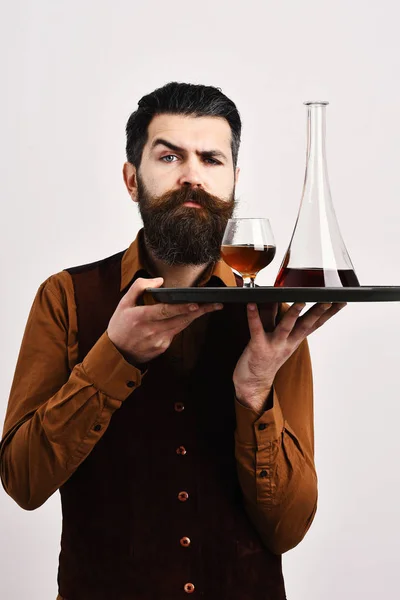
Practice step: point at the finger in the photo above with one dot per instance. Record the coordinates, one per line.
(313, 319)
(335, 308)
(177, 324)
(288, 321)
(256, 327)
(161, 312)
(138, 287)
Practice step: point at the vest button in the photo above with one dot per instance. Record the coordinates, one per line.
(130, 384)
(97, 427)
(189, 588)
(262, 426)
(183, 496)
(181, 450)
(185, 542)
(263, 473)
(179, 406)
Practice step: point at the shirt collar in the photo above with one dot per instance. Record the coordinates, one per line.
(134, 260)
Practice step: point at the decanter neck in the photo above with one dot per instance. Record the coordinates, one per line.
(316, 132)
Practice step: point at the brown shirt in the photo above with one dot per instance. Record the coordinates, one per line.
(56, 403)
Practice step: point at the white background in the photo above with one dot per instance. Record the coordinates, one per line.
(71, 74)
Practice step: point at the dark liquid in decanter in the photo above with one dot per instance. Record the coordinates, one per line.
(288, 277)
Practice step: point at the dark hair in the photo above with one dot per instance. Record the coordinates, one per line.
(180, 99)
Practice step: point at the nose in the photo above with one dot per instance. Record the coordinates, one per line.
(190, 175)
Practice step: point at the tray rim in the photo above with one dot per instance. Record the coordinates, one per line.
(232, 293)
(271, 287)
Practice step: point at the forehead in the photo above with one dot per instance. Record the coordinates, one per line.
(191, 133)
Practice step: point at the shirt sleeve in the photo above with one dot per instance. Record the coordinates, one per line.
(56, 414)
(275, 457)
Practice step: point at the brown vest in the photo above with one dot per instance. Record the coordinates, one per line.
(122, 519)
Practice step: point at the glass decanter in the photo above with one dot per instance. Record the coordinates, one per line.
(317, 255)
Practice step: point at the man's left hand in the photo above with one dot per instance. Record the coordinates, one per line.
(267, 352)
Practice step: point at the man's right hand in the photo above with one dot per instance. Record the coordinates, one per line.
(142, 333)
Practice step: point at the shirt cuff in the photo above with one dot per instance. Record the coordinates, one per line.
(109, 372)
(254, 429)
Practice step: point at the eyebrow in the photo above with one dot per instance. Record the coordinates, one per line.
(202, 153)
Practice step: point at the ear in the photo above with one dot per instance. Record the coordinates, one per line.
(237, 175)
(130, 179)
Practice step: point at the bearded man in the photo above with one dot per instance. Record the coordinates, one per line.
(180, 437)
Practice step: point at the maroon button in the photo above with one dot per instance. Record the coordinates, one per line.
(183, 496)
(185, 542)
(189, 588)
(181, 450)
(179, 406)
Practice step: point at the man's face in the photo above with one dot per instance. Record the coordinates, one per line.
(198, 153)
(185, 187)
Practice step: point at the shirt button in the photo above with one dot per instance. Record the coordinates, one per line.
(183, 496)
(179, 406)
(130, 384)
(263, 473)
(185, 542)
(189, 588)
(97, 427)
(262, 426)
(181, 450)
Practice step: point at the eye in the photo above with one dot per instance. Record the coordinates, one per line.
(212, 161)
(168, 157)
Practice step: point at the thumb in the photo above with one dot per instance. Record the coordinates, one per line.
(255, 325)
(136, 290)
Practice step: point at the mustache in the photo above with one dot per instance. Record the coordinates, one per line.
(174, 199)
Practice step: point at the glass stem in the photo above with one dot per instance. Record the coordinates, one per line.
(249, 282)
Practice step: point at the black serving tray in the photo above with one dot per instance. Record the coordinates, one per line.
(276, 294)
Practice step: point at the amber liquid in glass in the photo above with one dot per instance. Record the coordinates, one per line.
(246, 259)
(315, 278)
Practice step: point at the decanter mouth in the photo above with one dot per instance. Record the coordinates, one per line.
(317, 102)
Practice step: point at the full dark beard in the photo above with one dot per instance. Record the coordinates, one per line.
(183, 235)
